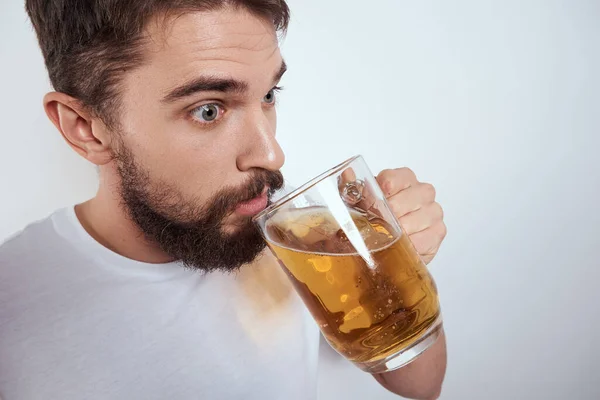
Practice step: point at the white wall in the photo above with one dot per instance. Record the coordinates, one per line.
(496, 102)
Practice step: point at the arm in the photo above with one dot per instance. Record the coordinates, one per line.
(421, 379)
(422, 218)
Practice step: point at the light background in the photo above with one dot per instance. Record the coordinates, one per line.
(495, 102)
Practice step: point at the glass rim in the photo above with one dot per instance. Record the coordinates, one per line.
(307, 186)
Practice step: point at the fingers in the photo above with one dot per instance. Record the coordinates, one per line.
(393, 181)
(412, 199)
(426, 217)
(428, 242)
(413, 203)
(368, 198)
(348, 176)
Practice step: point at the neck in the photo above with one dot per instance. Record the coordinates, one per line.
(107, 222)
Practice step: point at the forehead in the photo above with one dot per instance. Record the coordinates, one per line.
(229, 43)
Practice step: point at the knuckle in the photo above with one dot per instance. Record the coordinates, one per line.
(442, 231)
(385, 180)
(407, 174)
(429, 191)
(385, 174)
(439, 211)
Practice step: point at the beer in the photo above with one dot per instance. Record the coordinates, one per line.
(369, 306)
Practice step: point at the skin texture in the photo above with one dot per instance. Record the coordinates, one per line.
(196, 159)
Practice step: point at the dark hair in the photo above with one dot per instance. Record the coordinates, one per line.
(88, 44)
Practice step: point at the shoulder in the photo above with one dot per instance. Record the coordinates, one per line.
(32, 264)
(30, 256)
(27, 242)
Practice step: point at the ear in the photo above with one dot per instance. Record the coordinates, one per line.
(82, 132)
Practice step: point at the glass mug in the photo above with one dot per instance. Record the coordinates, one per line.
(355, 269)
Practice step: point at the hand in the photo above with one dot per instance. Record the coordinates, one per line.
(413, 203)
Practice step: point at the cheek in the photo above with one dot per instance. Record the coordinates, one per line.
(180, 155)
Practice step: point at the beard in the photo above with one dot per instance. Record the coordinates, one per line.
(190, 233)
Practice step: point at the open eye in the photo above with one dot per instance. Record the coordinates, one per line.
(271, 97)
(207, 113)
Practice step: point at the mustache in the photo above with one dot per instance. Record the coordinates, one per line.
(273, 180)
(229, 198)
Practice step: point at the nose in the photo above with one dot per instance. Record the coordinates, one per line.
(259, 148)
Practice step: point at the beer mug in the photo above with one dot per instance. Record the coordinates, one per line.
(355, 269)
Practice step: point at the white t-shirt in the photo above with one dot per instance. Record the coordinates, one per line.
(78, 321)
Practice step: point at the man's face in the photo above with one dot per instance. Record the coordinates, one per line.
(196, 153)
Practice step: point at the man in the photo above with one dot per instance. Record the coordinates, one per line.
(131, 294)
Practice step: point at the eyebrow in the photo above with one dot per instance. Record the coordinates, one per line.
(280, 73)
(214, 84)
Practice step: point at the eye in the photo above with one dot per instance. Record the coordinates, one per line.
(271, 97)
(207, 113)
